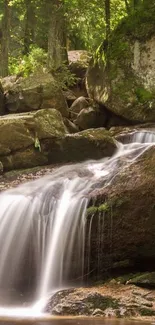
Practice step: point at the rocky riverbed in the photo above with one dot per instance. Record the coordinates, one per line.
(113, 299)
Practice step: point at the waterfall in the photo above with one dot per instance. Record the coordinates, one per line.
(42, 223)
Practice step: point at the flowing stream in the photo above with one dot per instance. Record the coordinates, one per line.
(43, 222)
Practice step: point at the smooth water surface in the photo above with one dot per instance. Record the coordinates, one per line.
(79, 321)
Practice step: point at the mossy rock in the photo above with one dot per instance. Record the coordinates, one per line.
(74, 302)
(122, 77)
(146, 312)
(27, 158)
(125, 231)
(21, 130)
(144, 280)
(38, 91)
(84, 145)
(94, 210)
(21, 137)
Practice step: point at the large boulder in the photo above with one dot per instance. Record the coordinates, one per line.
(84, 145)
(78, 64)
(109, 300)
(21, 136)
(86, 114)
(90, 117)
(69, 96)
(123, 76)
(40, 138)
(35, 92)
(123, 224)
(78, 105)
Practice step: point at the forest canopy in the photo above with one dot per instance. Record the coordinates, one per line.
(36, 33)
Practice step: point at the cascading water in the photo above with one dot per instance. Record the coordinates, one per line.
(43, 222)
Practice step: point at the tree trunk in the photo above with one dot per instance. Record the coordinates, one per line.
(5, 35)
(127, 6)
(135, 3)
(107, 18)
(29, 26)
(57, 51)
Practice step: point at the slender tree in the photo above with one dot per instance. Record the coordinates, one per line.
(107, 18)
(57, 52)
(29, 25)
(127, 6)
(5, 36)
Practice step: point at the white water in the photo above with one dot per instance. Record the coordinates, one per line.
(42, 224)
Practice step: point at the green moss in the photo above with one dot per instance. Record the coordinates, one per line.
(123, 89)
(144, 95)
(103, 207)
(97, 134)
(37, 144)
(127, 277)
(147, 312)
(91, 210)
(102, 302)
(118, 202)
(94, 209)
(147, 279)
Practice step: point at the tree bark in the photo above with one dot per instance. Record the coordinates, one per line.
(29, 26)
(57, 51)
(127, 6)
(134, 4)
(5, 36)
(107, 18)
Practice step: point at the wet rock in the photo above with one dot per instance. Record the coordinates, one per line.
(76, 302)
(94, 301)
(98, 312)
(35, 92)
(127, 208)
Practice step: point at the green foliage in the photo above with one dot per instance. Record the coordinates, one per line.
(103, 207)
(94, 209)
(86, 21)
(91, 210)
(119, 49)
(64, 76)
(37, 144)
(28, 64)
(140, 23)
